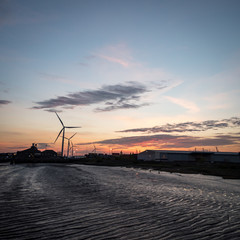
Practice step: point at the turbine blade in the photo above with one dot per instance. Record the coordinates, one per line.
(73, 127)
(65, 137)
(72, 136)
(59, 119)
(58, 135)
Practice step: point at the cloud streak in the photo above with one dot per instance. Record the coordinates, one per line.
(4, 102)
(53, 110)
(117, 54)
(189, 126)
(44, 145)
(113, 97)
(56, 78)
(170, 141)
(122, 62)
(191, 106)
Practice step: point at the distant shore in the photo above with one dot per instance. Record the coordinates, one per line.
(224, 170)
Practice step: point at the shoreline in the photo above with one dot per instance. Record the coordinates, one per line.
(224, 170)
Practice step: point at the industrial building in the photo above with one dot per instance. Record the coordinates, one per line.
(189, 156)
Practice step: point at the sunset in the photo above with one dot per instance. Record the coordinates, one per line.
(111, 66)
(120, 119)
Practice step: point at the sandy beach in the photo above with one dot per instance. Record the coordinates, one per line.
(66, 201)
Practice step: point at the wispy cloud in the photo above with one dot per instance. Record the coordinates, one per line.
(222, 100)
(119, 105)
(17, 148)
(11, 133)
(15, 13)
(44, 145)
(140, 87)
(191, 106)
(4, 102)
(56, 78)
(53, 110)
(122, 62)
(189, 126)
(118, 54)
(3, 89)
(119, 96)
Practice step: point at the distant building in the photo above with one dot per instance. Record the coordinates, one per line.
(29, 153)
(115, 154)
(6, 157)
(226, 157)
(164, 155)
(199, 156)
(49, 154)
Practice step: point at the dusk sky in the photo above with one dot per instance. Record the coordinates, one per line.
(134, 74)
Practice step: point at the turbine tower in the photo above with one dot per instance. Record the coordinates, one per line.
(71, 148)
(62, 131)
(69, 141)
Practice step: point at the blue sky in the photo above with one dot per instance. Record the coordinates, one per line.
(111, 66)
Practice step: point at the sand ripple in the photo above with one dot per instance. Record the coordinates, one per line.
(88, 202)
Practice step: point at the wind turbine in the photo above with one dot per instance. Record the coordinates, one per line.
(62, 131)
(69, 140)
(71, 148)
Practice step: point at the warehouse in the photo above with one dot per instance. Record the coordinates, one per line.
(226, 157)
(165, 155)
(200, 156)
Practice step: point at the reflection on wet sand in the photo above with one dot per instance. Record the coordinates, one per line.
(59, 201)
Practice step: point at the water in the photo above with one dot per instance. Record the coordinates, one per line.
(58, 201)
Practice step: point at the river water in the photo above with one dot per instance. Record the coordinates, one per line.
(60, 201)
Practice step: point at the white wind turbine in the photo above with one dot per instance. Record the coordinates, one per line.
(63, 135)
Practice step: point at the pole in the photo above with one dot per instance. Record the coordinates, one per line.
(68, 147)
(63, 141)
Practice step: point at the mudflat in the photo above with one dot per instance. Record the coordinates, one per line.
(73, 201)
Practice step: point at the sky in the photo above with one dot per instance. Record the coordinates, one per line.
(134, 74)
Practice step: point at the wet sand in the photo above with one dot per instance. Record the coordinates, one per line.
(64, 201)
(225, 170)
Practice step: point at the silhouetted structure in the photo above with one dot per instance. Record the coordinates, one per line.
(63, 134)
(69, 143)
(188, 156)
(29, 153)
(6, 157)
(49, 154)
